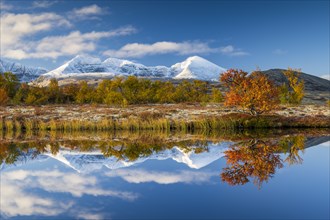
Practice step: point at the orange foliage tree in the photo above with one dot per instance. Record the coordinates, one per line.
(254, 93)
(3, 97)
(253, 159)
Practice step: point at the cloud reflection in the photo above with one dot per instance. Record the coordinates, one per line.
(19, 194)
(144, 176)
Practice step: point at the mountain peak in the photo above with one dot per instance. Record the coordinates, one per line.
(196, 58)
(118, 62)
(196, 67)
(85, 59)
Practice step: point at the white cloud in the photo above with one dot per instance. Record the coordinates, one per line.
(232, 51)
(143, 176)
(137, 50)
(43, 4)
(15, 27)
(87, 12)
(17, 32)
(280, 52)
(326, 76)
(18, 198)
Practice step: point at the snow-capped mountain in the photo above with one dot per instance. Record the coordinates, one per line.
(86, 66)
(85, 162)
(24, 73)
(197, 68)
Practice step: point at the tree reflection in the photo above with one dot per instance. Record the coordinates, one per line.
(292, 146)
(253, 159)
(258, 160)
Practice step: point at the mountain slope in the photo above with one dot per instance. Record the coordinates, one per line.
(312, 83)
(197, 68)
(317, 89)
(24, 73)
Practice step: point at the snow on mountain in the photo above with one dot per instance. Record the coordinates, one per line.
(126, 67)
(24, 73)
(197, 68)
(79, 64)
(87, 66)
(85, 162)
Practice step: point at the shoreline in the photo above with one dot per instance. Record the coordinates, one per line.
(179, 117)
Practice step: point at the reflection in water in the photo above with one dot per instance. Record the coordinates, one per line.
(259, 159)
(100, 166)
(247, 157)
(17, 198)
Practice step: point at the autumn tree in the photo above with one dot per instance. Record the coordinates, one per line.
(254, 93)
(21, 94)
(10, 83)
(70, 92)
(165, 92)
(293, 91)
(3, 97)
(254, 159)
(216, 96)
(37, 96)
(54, 92)
(85, 93)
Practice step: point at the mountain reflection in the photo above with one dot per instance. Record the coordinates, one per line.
(250, 157)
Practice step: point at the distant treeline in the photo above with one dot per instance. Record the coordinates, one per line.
(117, 91)
(254, 93)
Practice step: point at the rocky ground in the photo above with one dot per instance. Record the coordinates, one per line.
(170, 111)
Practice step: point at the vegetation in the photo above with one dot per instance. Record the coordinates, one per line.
(258, 159)
(254, 93)
(157, 122)
(293, 91)
(115, 92)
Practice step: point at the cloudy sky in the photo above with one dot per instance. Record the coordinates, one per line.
(232, 34)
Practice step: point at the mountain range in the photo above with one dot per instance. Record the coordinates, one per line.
(24, 73)
(83, 66)
(85, 162)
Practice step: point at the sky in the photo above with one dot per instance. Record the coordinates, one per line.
(232, 34)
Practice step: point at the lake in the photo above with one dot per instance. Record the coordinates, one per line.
(149, 175)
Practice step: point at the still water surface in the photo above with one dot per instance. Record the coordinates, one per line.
(161, 177)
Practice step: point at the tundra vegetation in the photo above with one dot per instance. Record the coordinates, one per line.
(254, 94)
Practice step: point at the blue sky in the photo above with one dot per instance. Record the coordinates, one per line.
(232, 34)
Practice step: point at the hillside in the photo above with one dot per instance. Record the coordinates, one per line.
(317, 89)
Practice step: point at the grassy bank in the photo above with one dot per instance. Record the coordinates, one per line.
(160, 123)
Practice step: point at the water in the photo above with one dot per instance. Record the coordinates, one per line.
(161, 176)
